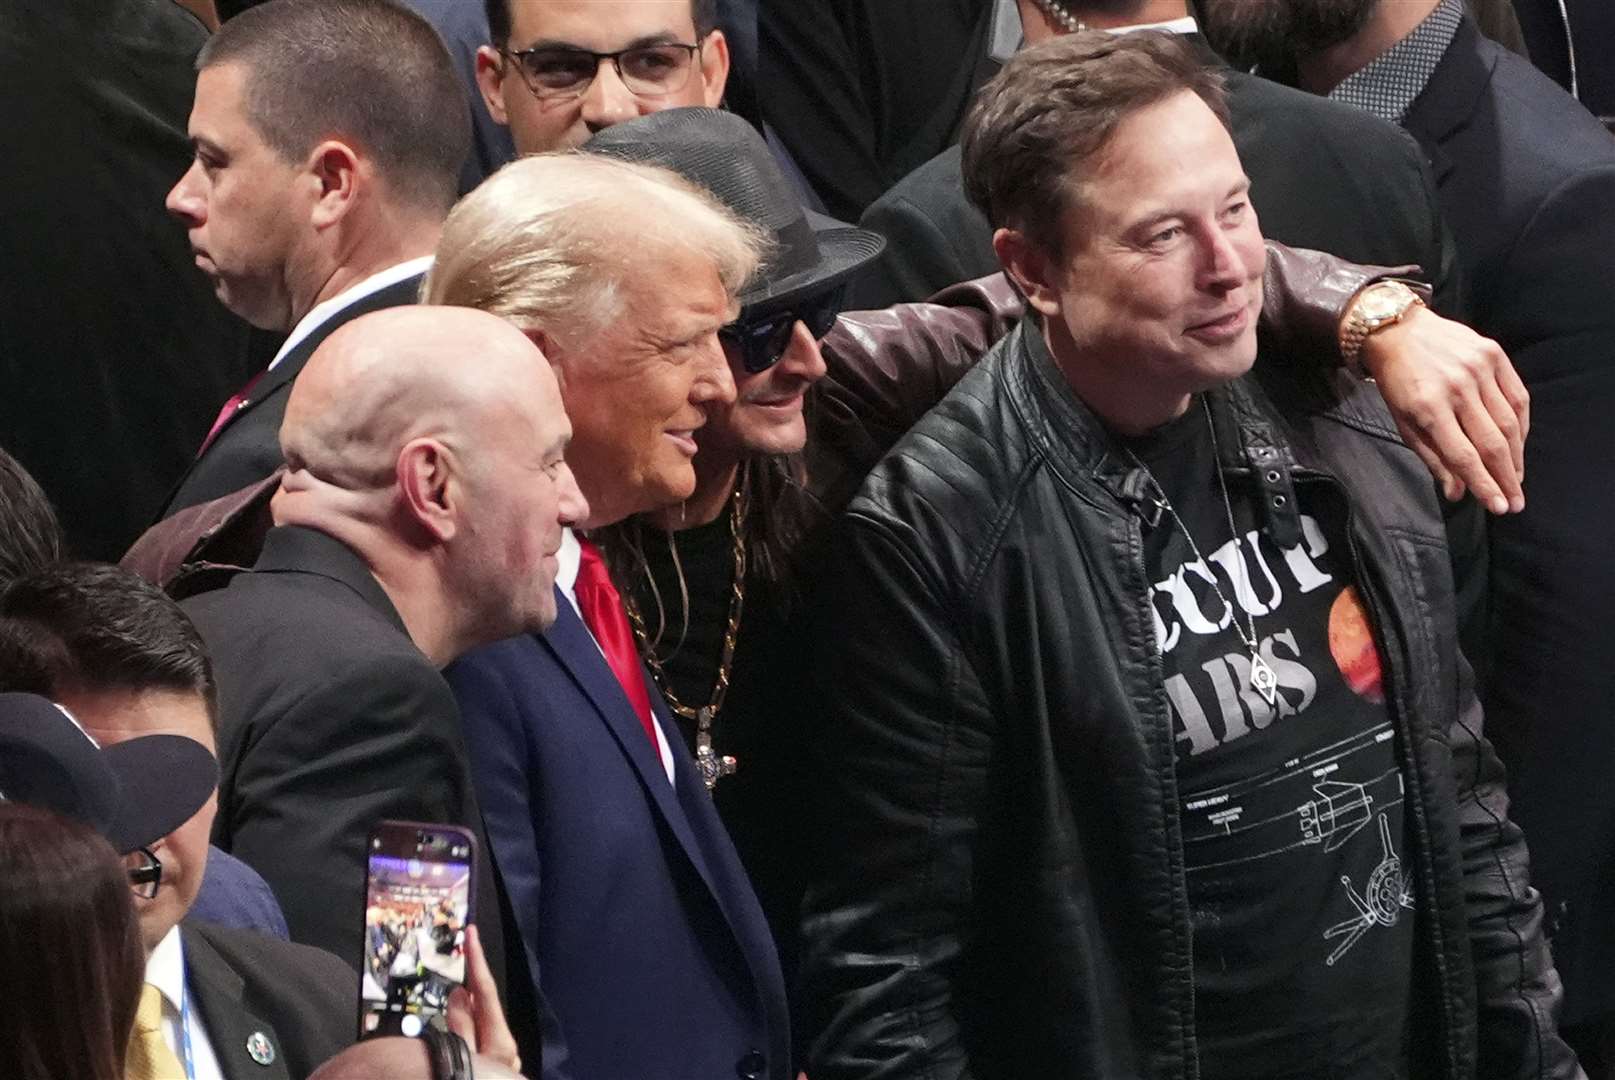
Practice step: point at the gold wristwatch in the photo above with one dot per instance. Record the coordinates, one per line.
(1376, 306)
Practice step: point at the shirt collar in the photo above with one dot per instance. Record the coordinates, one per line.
(357, 291)
(567, 559)
(165, 969)
(1389, 84)
(1185, 25)
(1006, 38)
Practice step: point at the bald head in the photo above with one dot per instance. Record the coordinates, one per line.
(397, 1059)
(430, 441)
(406, 373)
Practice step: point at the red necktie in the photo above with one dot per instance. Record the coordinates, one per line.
(601, 607)
(236, 401)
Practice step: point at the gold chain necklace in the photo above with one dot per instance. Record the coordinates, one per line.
(713, 766)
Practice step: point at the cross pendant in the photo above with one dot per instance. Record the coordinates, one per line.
(1263, 680)
(713, 766)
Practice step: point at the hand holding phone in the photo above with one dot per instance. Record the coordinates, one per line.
(417, 916)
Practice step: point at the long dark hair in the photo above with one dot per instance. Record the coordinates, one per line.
(71, 962)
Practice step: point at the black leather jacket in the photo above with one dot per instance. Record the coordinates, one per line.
(999, 887)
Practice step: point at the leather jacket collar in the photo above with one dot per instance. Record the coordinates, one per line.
(1080, 449)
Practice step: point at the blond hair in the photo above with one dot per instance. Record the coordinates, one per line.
(547, 241)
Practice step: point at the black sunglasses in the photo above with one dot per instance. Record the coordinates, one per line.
(762, 339)
(145, 872)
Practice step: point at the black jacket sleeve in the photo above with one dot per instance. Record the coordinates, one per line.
(900, 765)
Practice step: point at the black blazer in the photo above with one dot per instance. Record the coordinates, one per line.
(330, 720)
(1526, 179)
(248, 447)
(114, 354)
(247, 988)
(1323, 175)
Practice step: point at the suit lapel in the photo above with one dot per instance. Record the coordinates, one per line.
(216, 993)
(1448, 99)
(395, 295)
(575, 650)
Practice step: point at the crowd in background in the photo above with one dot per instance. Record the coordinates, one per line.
(921, 538)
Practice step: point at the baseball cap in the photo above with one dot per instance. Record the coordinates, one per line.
(133, 793)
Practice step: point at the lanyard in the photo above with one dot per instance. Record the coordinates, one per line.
(185, 1029)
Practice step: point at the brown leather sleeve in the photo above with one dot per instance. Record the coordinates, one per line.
(885, 369)
(225, 531)
(1305, 294)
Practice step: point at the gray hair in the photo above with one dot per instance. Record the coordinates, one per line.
(547, 241)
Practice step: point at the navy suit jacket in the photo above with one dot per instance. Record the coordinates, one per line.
(1526, 180)
(640, 926)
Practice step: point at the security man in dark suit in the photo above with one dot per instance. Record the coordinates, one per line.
(328, 141)
(107, 330)
(1526, 180)
(123, 659)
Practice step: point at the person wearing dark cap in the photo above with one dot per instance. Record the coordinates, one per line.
(129, 751)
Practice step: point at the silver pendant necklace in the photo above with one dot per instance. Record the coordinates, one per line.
(1262, 678)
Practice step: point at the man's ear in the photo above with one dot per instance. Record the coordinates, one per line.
(715, 67)
(428, 489)
(491, 80)
(334, 170)
(1031, 268)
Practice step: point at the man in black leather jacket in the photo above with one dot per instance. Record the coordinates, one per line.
(1145, 747)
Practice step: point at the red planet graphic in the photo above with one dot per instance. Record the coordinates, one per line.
(1351, 643)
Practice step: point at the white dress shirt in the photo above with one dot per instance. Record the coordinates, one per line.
(568, 559)
(165, 969)
(319, 313)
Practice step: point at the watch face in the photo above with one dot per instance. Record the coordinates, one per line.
(1385, 303)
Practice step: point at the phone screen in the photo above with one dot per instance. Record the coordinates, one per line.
(417, 906)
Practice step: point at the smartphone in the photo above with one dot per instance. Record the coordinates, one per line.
(417, 906)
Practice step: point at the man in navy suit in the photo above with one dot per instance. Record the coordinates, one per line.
(328, 139)
(1526, 181)
(638, 921)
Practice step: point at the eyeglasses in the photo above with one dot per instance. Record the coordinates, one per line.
(553, 72)
(763, 339)
(145, 872)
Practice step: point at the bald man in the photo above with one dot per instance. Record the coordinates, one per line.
(419, 516)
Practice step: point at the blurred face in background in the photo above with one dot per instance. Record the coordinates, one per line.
(553, 96)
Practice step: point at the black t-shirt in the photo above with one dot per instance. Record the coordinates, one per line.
(690, 642)
(1292, 813)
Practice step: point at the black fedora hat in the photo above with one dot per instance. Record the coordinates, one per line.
(133, 793)
(725, 155)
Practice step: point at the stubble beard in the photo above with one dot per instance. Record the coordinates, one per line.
(1273, 34)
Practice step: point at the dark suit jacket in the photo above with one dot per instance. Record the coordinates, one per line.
(635, 914)
(329, 721)
(247, 449)
(863, 91)
(1527, 183)
(235, 895)
(114, 354)
(241, 984)
(1359, 190)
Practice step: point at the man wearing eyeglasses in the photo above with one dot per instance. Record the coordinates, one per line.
(560, 70)
(125, 662)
